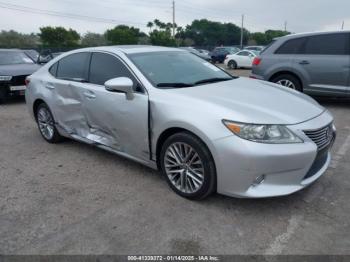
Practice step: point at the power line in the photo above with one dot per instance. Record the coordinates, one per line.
(66, 15)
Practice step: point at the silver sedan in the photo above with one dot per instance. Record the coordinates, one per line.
(170, 110)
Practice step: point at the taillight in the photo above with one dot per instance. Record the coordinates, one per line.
(27, 81)
(257, 61)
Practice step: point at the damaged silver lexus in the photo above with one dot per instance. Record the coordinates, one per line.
(168, 109)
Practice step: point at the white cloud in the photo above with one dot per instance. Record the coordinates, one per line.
(259, 15)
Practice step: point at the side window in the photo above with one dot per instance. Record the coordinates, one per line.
(105, 67)
(74, 67)
(293, 46)
(243, 53)
(328, 44)
(53, 69)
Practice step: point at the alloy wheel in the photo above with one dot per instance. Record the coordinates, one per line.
(46, 124)
(184, 167)
(286, 83)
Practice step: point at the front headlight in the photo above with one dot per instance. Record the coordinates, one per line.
(5, 78)
(269, 134)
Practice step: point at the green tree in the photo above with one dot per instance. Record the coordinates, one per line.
(266, 37)
(208, 33)
(272, 34)
(93, 39)
(162, 38)
(13, 39)
(162, 33)
(58, 37)
(123, 35)
(150, 26)
(258, 39)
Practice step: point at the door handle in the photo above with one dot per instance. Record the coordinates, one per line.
(89, 95)
(304, 62)
(49, 86)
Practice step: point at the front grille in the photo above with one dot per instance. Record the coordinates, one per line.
(322, 137)
(18, 80)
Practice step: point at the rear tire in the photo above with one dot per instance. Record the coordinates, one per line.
(46, 124)
(232, 65)
(3, 94)
(289, 81)
(188, 166)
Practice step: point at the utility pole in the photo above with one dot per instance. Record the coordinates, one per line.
(174, 18)
(342, 26)
(285, 26)
(242, 28)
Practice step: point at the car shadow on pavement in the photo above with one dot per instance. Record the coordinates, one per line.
(333, 101)
(13, 101)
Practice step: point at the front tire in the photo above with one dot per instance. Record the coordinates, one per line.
(289, 81)
(232, 65)
(46, 124)
(188, 166)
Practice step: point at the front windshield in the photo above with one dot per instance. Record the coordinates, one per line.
(177, 69)
(14, 58)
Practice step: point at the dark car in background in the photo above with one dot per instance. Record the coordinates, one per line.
(314, 63)
(15, 66)
(219, 53)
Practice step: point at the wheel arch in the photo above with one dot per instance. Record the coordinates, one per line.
(36, 104)
(287, 72)
(174, 130)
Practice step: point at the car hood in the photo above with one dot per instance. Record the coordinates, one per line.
(18, 70)
(253, 101)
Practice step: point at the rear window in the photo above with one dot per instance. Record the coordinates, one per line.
(268, 46)
(14, 58)
(330, 44)
(53, 69)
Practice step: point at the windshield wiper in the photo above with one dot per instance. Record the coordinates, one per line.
(174, 85)
(212, 80)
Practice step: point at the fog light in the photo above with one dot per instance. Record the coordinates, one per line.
(259, 180)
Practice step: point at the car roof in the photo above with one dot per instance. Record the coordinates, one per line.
(131, 49)
(311, 34)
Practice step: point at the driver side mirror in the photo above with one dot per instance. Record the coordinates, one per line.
(122, 85)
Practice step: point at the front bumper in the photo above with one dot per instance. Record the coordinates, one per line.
(280, 169)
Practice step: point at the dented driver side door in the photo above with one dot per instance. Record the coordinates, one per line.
(71, 73)
(113, 120)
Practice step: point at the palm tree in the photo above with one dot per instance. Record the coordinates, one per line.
(157, 23)
(150, 25)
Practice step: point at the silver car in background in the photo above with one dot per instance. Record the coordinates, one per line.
(314, 63)
(170, 110)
